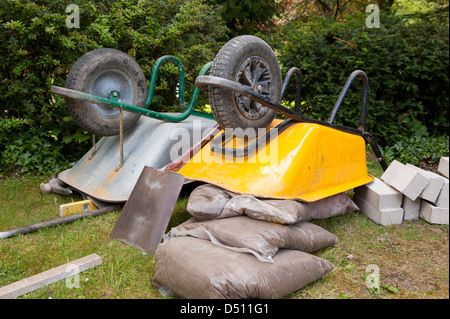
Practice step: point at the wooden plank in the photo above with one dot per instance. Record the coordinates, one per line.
(48, 277)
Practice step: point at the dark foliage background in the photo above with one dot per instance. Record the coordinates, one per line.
(406, 60)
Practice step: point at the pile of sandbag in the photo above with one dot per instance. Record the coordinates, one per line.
(239, 246)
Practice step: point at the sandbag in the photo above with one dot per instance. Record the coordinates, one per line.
(206, 201)
(279, 211)
(196, 268)
(209, 202)
(331, 206)
(261, 238)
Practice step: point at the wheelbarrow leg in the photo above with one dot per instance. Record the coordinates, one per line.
(120, 141)
(94, 150)
(94, 147)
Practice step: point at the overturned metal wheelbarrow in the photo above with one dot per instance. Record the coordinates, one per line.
(314, 159)
(106, 94)
(299, 158)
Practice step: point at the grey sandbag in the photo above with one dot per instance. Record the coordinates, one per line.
(279, 211)
(288, 211)
(262, 237)
(335, 205)
(196, 268)
(206, 202)
(209, 202)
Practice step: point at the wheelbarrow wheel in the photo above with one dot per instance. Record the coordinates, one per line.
(251, 62)
(98, 72)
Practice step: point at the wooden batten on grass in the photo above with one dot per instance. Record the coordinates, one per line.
(48, 277)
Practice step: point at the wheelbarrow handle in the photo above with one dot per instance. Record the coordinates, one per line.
(183, 159)
(72, 94)
(298, 86)
(181, 89)
(203, 82)
(145, 111)
(365, 94)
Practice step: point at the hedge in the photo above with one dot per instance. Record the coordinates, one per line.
(38, 49)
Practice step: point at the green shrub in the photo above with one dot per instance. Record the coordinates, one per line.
(38, 50)
(407, 66)
(249, 16)
(417, 149)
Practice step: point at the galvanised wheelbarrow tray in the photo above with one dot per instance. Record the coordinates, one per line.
(106, 94)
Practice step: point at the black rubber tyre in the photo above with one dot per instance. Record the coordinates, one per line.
(98, 72)
(250, 61)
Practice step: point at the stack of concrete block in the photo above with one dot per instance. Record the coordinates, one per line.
(437, 212)
(406, 192)
(380, 202)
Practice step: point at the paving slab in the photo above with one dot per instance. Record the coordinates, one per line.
(443, 200)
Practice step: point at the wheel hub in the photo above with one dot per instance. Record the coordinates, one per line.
(254, 73)
(107, 81)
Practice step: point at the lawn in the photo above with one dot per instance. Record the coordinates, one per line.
(412, 259)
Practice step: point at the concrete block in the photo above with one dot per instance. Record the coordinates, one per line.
(411, 208)
(406, 180)
(435, 183)
(434, 214)
(443, 166)
(442, 200)
(381, 217)
(380, 195)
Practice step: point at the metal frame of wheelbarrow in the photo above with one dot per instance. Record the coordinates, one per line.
(205, 81)
(115, 102)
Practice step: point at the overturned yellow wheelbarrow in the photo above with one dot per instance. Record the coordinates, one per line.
(299, 158)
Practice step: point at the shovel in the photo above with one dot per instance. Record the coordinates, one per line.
(147, 212)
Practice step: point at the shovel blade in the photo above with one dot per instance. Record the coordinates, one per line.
(147, 212)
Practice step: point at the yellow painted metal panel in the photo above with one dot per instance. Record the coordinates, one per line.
(307, 162)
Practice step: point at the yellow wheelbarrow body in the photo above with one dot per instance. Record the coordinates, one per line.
(305, 162)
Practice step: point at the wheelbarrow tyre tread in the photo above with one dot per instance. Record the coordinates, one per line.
(80, 78)
(226, 65)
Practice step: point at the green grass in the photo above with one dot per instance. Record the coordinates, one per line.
(125, 272)
(413, 258)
